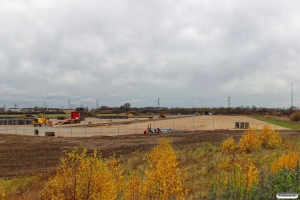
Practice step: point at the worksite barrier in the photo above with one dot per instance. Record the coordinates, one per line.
(114, 127)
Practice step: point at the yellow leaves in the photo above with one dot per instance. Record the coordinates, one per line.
(2, 194)
(253, 139)
(270, 138)
(133, 189)
(228, 145)
(81, 176)
(289, 161)
(249, 141)
(243, 174)
(164, 180)
(84, 177)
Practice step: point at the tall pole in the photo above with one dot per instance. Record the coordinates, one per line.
(291, 98)
(228, 104)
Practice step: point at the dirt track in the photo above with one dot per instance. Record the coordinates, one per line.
(28, 155)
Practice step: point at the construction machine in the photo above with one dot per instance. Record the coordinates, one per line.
(41, 121)
(162, 115)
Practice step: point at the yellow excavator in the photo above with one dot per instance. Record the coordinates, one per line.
(41, 121)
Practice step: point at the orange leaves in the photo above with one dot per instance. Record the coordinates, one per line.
(270, 138)
(249, 141)
(289, 161)
(2, 194)
(228, 145)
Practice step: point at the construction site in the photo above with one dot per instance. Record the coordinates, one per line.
(38, 145)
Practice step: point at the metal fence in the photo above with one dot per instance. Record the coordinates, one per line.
(114, 127)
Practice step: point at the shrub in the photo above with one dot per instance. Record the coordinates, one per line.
(270, 138)
(164, 180)
(289, 161)
(228, 145)
(133, 189)
(249, 140)
(295, 117)
(238, 183)
(84, 177)
(2, 194)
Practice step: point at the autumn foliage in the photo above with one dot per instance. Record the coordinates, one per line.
(84, 177)
(2, 194)
(81, 176)
(164, 180)
(228, 145)
(288, 161)
(249, 141)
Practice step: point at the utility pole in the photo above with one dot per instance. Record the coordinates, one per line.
(68, 103)
(292, 99)
(97, 104)
(228, 104)
(158, 102)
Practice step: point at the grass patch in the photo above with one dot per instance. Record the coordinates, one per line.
(279, 123)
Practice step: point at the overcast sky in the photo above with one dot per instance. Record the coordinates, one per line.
(188, 53)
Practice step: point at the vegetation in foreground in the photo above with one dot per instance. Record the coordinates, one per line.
(257, 166)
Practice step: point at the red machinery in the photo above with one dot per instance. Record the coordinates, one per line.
(74, 119)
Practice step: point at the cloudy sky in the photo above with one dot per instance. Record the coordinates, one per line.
(188, 53)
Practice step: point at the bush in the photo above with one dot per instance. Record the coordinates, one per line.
(270, 138)
(288, 161)
(2, 194)
(249, 141)
(238, 183)
(228, 145)
(295, 117)
(84, 177)
(164, 180)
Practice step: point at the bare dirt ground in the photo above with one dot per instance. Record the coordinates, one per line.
(24, 155)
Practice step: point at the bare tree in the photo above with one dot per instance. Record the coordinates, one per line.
(126, 106)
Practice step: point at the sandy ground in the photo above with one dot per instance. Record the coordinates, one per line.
(95, 126)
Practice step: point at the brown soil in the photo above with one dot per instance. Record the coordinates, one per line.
(28, 155)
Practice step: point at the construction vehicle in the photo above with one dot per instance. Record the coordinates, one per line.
(162, 115)
(41, 121)
(74, 119)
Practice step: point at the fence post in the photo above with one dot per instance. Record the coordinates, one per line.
(58, 129)
(101, 125)
(193, 123)
(85, 128)
(6, 126)
(25, 126)
(118, 126)
(71, 129)
(16, 126)
(213, 121)
(173, 122)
